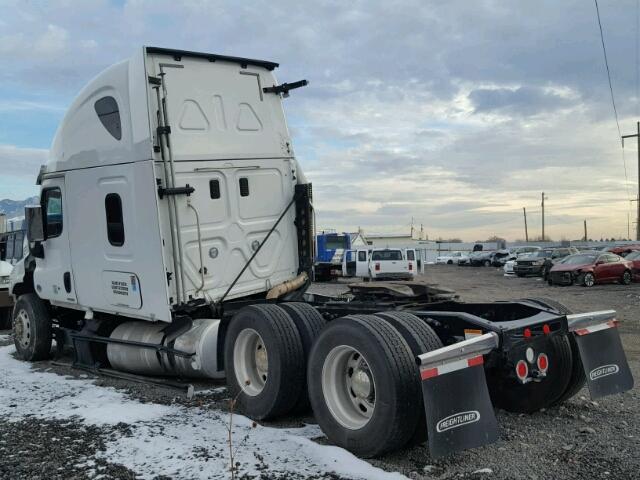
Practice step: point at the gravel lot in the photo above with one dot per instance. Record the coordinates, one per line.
(579, 440)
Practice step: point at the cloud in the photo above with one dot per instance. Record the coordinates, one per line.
(453, 113)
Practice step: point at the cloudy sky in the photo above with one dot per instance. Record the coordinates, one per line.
(454, 113)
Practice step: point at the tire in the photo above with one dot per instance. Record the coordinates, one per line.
(450, 262)
(421, 339)
(627, 278)
(487, 263)
(509, 394)
(309, 323)
(274, 386)
(549, 281)
(545, 273)
(577, 379)
(31, 328)
(370, 347)
(5, 318)
(588, 280)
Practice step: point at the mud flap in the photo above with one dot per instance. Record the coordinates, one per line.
(458, 408)
(605, 363)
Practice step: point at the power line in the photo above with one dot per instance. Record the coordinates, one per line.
(613, 101)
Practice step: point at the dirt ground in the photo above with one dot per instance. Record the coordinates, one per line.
(578, 440)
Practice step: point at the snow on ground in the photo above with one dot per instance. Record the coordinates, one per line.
(172, 440)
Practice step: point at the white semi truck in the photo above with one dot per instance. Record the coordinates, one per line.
(174, 236)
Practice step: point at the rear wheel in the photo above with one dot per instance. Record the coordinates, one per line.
(362, 385)
(450, 262)
(31, 328)
(309, 324)
(627, 277)
(577, 378)
(421, 339)
(487, 263)
(511, 395)
(264, 361)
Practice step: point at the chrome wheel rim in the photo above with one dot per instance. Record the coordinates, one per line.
(251, 362)
(22, 329)
(589, 280)
(348, 387)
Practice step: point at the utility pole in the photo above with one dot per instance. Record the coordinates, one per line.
(585, 229)
(526, 232)
(544, 197)
(636, 135)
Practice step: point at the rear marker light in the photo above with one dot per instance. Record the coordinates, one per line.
(546, 329)
(522, 370)
(410, 266)
(543, 363)
(377, 267)
(527, 333)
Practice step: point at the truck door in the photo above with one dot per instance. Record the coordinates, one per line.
(53, 277)
(411, 261)
(346, 259)
(362, 264)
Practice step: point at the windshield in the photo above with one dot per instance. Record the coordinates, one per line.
(335, 242)
(383, 255)
(580, 259)
(633, 256)
(542, 254)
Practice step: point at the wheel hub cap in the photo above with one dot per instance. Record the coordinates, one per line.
(251, 362)
(348, 387)
(22, 327)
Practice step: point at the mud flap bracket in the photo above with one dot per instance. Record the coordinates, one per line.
(605, 363)
(457, 405)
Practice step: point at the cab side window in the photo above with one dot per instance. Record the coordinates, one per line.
(362, 256)
(115, 223)
(52, 206)
(109, 115)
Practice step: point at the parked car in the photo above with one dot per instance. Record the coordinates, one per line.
(623, 250)
(540, 262)
(479, 259)
(450, 258)
(634, 257)
(508, 267)
(590, 268)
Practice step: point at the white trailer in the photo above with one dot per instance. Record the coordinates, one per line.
(174, 237)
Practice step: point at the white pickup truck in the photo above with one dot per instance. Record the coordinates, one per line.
(380, 264)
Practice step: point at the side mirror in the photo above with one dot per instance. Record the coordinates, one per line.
(35, 226)
(35, 230)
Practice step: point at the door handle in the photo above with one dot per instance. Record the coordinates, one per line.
(67, 281)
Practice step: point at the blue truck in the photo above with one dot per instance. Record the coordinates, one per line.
(330, 249)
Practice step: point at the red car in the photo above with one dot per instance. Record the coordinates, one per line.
(634, 257)
(624, 250)
(590, 268)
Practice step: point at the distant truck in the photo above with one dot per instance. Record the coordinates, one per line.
(330, 251)
(12, 250)
(380, 264)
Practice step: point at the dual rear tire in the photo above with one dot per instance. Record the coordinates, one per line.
(363, 383)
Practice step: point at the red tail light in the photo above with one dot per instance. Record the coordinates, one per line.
(527, 333)
(546, 329)
(377, 267)
(410, 266)
(522, 370)
(543, 362)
